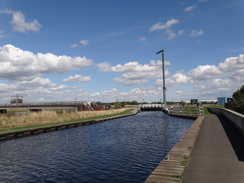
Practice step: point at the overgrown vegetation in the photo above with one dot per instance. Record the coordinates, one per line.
(206, 111)
(178, 178)
(238, 100)
(189, 148)
(117, 105)
(185, 160)
(9, 122)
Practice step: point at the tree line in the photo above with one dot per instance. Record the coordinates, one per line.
(237, 103)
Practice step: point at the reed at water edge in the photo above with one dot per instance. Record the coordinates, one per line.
(50, 117)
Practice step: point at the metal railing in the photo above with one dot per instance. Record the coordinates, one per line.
(187, 110)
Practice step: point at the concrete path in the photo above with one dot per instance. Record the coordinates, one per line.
(218, 154)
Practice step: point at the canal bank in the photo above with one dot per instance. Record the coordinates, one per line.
(49, 128)
(172, 166)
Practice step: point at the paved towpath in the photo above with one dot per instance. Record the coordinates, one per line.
(218, 154)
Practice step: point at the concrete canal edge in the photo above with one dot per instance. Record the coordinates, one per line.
(171, 168)
(39, 130)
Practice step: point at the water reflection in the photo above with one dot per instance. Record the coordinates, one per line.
(121, 150)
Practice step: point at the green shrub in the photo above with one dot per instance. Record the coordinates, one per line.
(238, 100)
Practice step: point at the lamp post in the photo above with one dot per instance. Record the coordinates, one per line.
(163, 68)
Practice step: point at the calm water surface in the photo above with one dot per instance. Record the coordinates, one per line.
(121, 150)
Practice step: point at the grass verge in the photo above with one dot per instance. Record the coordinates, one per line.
(50, 120)
(206, 111)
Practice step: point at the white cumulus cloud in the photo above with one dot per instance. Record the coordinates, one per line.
(132, 66)
(232, 64)
(20, 24)
(73, 46)
(238, 75)
(177, 79)
(161, 26)
(134, 94)
(170, 34)
(37, 82)
(221, 80)
(219, 87)
(134, 72)
(209, 81)
(232, 67)
(203, 72)
(195, 33)
(179, 92)
(104, 67)
(190, 8)
(84, 42)
(17, 64)
(129, 81)
(77, 78)
(181, 32)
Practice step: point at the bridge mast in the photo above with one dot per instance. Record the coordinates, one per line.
(163, 68)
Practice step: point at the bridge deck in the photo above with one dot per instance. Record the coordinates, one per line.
(218, 154)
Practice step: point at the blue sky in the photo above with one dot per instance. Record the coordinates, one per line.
(53, 50)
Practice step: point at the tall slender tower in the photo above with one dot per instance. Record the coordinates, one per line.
(163, 69)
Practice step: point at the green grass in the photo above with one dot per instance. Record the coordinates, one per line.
(178, 178)
(187, 110)
(206, 111)
(193, 109)
(185, 160)
(5, 130)
(189, 148)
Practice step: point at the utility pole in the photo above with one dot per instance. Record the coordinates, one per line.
(163, 68)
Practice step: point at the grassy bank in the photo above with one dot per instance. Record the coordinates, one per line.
(209, 105)
(35, 120)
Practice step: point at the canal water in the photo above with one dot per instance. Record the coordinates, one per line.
(121, 150)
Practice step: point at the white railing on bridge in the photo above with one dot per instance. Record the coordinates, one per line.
(150, 106)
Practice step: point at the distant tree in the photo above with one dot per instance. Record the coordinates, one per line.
(238, 100)
(182, 103)
(99, 103)
(123, 104)
(117, 105)
(134, 102)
